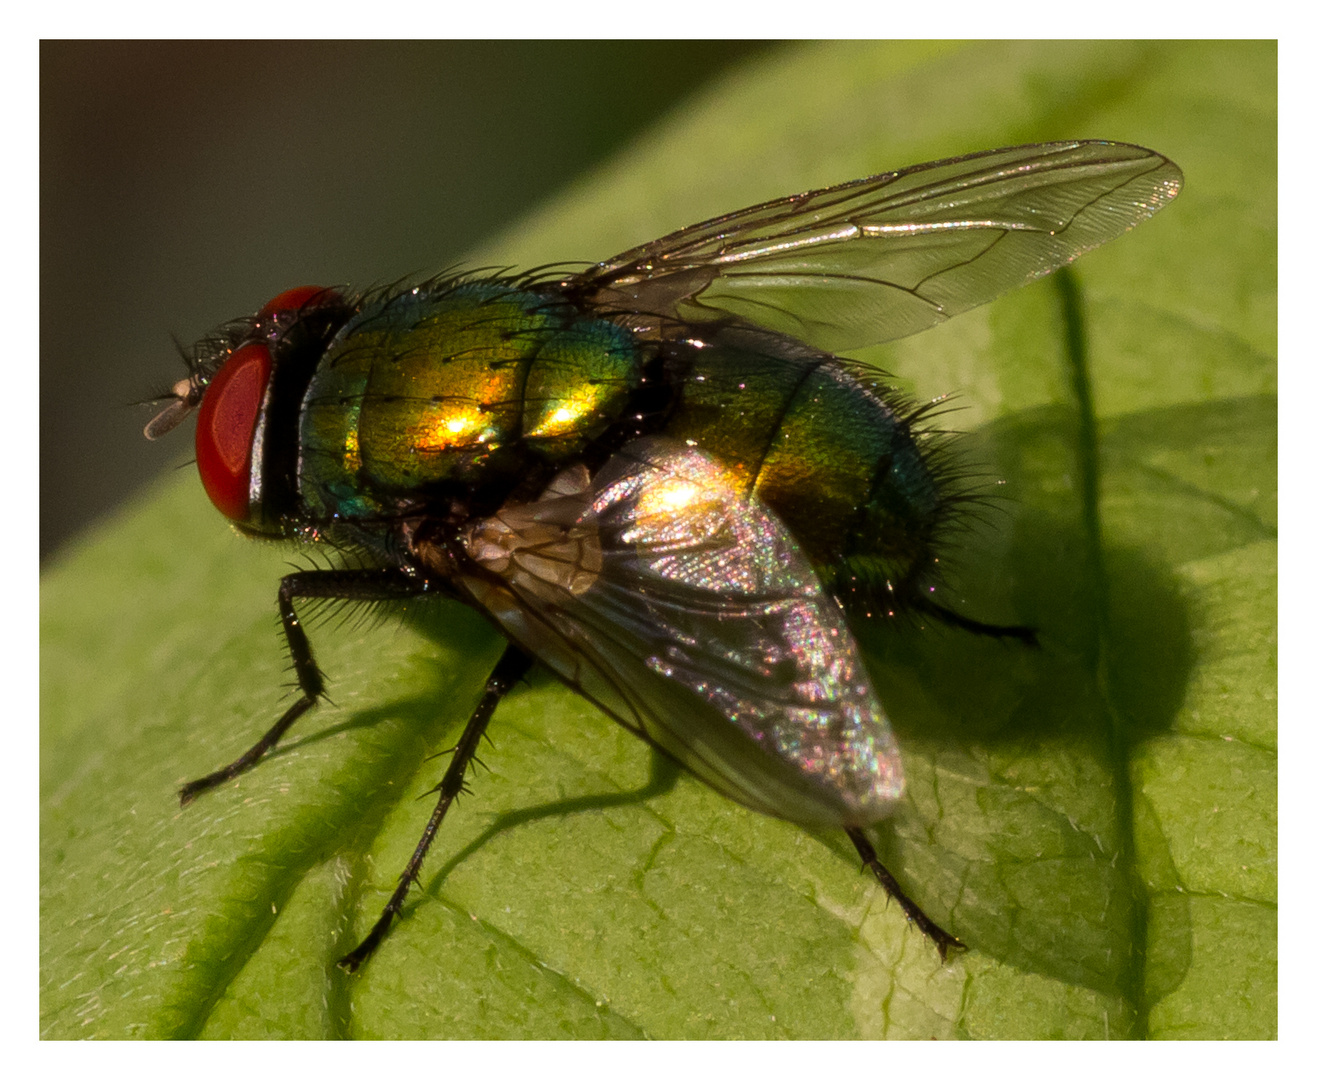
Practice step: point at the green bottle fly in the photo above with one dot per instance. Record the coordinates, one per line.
(655, 476)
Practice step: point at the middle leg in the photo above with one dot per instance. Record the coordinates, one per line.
(511, 667)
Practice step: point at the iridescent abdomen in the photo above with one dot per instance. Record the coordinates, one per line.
(821, 447)
(469, 386)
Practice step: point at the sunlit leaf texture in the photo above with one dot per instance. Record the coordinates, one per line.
(1096, 818)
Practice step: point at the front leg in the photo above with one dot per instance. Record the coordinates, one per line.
(390, 584)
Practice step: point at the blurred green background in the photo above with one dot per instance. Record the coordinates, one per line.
(184, 183)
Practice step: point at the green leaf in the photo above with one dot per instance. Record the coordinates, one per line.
(1095, 818)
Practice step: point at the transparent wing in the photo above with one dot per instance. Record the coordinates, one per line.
(880, 258)
(690, 616)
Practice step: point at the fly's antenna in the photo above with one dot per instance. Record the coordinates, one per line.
(184, 396)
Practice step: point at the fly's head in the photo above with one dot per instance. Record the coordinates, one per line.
(245, 383)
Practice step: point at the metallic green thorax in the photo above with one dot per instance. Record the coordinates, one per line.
(426, 389)
(481, 383)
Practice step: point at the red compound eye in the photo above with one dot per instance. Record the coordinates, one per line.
(293, 300)
(226, 423)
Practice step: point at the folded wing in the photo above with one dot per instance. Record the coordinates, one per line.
(689, 614)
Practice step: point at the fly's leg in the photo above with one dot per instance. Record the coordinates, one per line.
(1026, 634)
(944, 942)
(512, 665)
(308, 585)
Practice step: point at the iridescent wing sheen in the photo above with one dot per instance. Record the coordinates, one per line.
(689, 614)
(880, 258)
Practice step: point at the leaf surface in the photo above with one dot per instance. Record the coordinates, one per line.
(1096, 818)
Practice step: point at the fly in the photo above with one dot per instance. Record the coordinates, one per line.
(654, 476)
